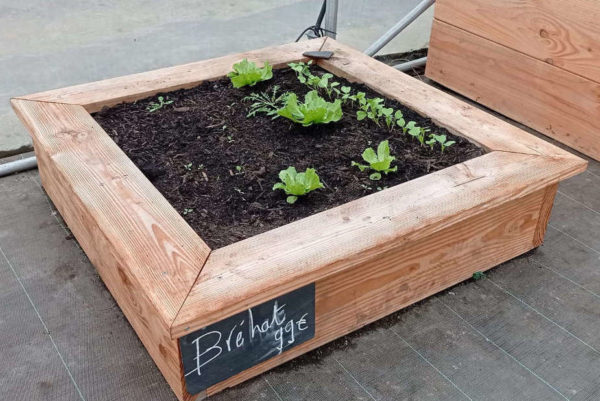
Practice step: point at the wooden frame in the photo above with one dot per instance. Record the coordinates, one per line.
(368, 258)
(534, 61)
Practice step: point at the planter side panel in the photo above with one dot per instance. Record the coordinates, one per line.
(413, 271)
(143, 250)
(558, 32)
(140, 313)
(558, 103)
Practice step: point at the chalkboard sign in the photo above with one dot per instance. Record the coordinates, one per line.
(221, 350)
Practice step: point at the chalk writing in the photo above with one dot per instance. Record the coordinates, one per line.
(225, 348)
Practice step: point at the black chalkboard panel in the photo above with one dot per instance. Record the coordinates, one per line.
(221, 350)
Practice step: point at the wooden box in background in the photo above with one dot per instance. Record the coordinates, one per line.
(535, 61)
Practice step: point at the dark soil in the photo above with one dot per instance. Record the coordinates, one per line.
(207, 127)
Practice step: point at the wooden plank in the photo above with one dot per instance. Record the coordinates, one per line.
(557, 103)
(444, 109)
(413, 271)
(95, 95)
(545, 212)
(146, 254)
(262, 267)
(161, 249)
(123, 285)
(562, 33)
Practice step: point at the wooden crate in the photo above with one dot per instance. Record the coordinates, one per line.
(535, 61)
(367, 258)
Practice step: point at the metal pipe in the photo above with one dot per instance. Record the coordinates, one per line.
(409, 65)
(17, 166)
(399, 27)
(331, 14)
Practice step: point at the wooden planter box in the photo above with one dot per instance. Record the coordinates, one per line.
(537, 62)
(366, 259)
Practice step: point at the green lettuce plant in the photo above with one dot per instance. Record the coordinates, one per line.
(296, 184)
(247, 73)
(380, 162)
(314, 110)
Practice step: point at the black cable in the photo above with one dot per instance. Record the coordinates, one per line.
(316, 28)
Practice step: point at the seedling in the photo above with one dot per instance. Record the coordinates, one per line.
(152, 107)
(302, 70)
(187, 211)
(344, 93)
(380, 161)
(267, 103)
(296, 184)
(247, 73)
(430, 142)
(442, 140)
(239, 169)
(371, 109)
(188, 166)
(314, 110)
(419, 133)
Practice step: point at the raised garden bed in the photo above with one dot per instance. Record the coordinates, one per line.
(373, 253)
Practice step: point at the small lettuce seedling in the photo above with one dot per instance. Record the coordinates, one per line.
(380, 161)
(265, 102)
(296, 184)
(152, 107)
(442, 140)
(314, 110)
(247, 73)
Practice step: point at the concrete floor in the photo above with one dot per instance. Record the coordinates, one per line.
(529, 331)
(46, 45)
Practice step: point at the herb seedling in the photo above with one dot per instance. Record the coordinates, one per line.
(314, 110)
(344, 93)
(187, 211)
(247, 73)
(380, 161)
(267, 103)
(152, 107)
(417, 132)
(442, 140)
(302, 70)
(296, 184)
(239, 169)
(188, 166)
(371, 109)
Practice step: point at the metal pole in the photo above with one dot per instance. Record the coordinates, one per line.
(399, 27)
(331, 14)
(409, 65)
(18, 165)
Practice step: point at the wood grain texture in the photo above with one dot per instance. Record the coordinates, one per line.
(562, 33)
(410, 271)
(545, 211)
(249, 272)
(146, 254)
(444, 109)
(557, 103)
(95, 95)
